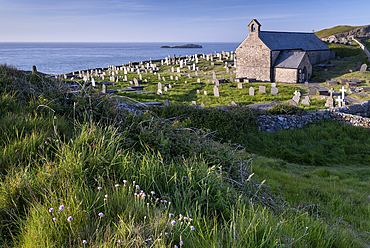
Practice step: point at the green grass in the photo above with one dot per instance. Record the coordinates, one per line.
(59, 149)
(334, 30)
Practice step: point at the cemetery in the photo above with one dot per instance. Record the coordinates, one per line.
(182, 151)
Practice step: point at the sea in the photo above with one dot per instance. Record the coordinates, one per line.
(55, 57)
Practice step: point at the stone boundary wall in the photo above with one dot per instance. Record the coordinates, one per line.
(363, 48)
(354, 115)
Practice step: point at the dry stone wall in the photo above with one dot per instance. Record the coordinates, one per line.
(354, 115)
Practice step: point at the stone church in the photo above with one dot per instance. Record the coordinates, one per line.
(285, 57)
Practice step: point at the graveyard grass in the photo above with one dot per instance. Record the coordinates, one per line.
(73, 167)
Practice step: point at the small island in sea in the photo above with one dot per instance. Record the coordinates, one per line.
(184, 46)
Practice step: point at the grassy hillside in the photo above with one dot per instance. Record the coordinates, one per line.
(79, 171)
(335, 30)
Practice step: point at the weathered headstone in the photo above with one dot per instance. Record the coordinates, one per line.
(274, 91)
(194, 102)
(293, 103)
(171, 77)
(240, 85)
(165, 88)
(296, 98)
(330, 101)
(262, 89)
(332, 55)
(170, 86)
(233, 103)
(198, 91)
(159, 86)
(312, 91)
(205, 93)
(306, 100)
(358, 66)
(231, 79)
(251, 91)
(306, 84)
(363, 68)
(216, 91)
(273, 85)
(167, 103)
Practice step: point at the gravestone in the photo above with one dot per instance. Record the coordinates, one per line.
(293, 103)
(251, 91)
(159, 86)
(93, 82)
(262, 89)
(340, 102)
(231, 79)
(358, 66)
(343, 90)
(240, 85)
(306, 100)
(205, 93)
(274, 91)
(194, 102)
(198, 80)
(273, 85)
(164, 79)
(350, 71)
(176, 78)
(306, 84)
(198, 91)
(136, 82)
(165, 88)
(233, 103)
(227, 70)
(167, 103)
(312, 91)
(345, 59)
(196, 73)
(330, 103)
(332, 55)
(216, 91)
(363, 68)
(338, 57)
(296, 98)
(171, 77)
(217, 82)
(170, 86)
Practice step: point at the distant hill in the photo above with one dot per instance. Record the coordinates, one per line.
(335, 30)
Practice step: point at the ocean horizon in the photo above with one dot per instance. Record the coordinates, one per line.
(65, 57)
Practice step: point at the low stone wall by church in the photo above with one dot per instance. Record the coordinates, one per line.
(354, 115)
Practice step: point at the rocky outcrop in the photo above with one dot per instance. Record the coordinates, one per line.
(346, 37)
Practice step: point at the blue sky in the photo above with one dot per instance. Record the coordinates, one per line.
(168, 21)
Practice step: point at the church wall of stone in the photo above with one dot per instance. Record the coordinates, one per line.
(253, 59)
(318, 56)
(285, 75)
(274, 56)
(306, 63)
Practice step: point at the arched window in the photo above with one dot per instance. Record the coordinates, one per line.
(253, 27)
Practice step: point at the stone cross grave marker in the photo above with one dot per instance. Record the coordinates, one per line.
(274, 91)
(251, 91)
(296, 98)
(330, 101)
(262, 89)
(306, 100)
(240, 85)
(312, 91)
(363, 68)
(340, 101)
(343, 89)
(216, 91)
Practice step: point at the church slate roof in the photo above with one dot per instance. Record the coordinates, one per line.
(289, 59)
(292, 41)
